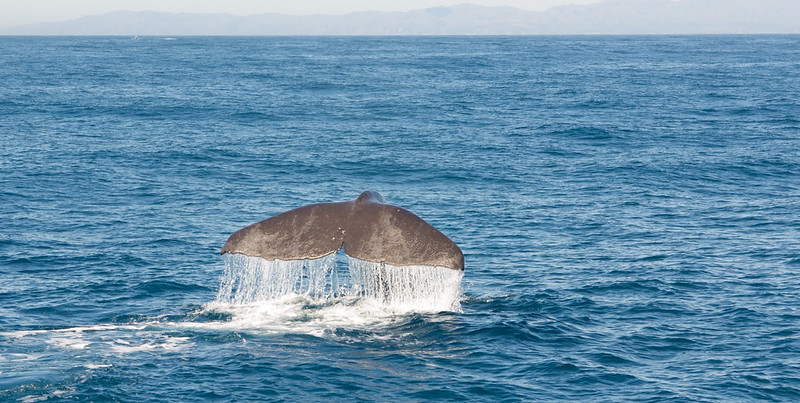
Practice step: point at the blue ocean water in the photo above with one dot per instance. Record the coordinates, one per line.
(628, 208)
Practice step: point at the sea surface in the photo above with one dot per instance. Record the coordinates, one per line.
(628, 208)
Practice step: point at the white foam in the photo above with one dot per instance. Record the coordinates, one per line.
(18, 357)
(77, 330)
(97, 366)
(166, 343)
(298, 314)
(54, 394)
(120, 339)
(69, 342)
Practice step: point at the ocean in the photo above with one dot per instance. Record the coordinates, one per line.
(628, 208)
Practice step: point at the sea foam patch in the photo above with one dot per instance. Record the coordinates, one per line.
(119, 339)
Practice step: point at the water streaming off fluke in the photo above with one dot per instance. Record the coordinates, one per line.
(248, 279)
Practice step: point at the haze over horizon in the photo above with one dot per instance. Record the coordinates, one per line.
(43, 11)
(607, 17)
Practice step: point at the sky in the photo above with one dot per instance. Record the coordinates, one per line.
(16, 12)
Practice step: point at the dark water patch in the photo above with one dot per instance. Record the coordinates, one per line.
(254, 117)
(606, 379)
(208, 316)
(739, 315)
(625, 287)
(59, 312)
(27, 381)
(612, 360)
(169, 243)
(160, 287)
(584, 133)
(659, 308)
(519, 332)
(437, 394)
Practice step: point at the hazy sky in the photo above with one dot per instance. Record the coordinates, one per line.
(21, 12)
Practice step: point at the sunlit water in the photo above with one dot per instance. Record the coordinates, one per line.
(627, 207)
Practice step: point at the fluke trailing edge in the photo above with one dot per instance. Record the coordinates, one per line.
(368, 228)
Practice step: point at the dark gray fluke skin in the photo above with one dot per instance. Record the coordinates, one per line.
(368, 228)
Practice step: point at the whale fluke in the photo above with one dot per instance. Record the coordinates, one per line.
(368, 228)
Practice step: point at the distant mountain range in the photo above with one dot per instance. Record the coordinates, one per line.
(605, 17)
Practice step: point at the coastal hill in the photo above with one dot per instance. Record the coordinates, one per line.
(605, 17)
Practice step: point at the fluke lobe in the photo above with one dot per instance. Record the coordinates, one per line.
(368, 228)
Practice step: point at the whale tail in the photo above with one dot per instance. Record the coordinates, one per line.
(367, 228)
